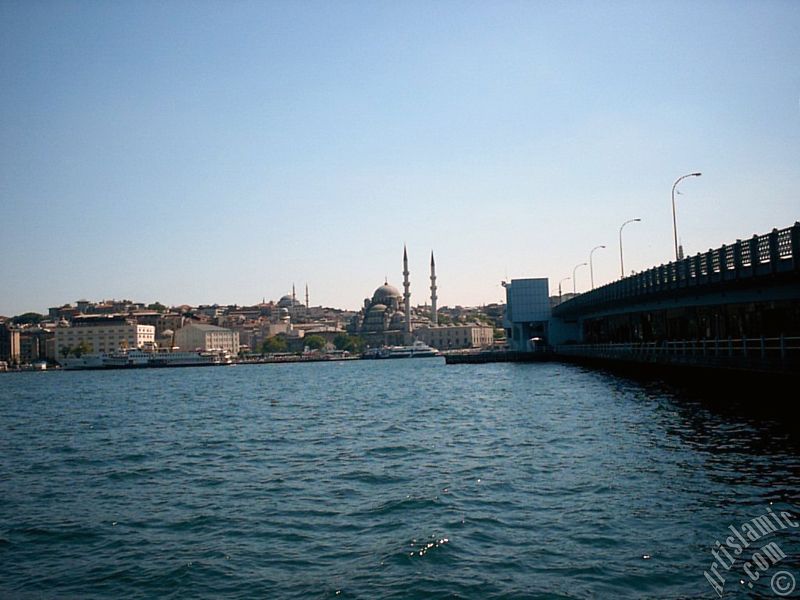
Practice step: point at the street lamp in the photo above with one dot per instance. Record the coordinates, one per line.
(559, 287)
(591, 267)
(621, 262)
(574, 287)
(674, 221)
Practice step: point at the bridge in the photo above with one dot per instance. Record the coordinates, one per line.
(735, 307)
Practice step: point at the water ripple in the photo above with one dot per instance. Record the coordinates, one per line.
(365, 480)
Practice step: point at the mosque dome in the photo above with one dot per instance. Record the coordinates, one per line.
(378, 308)
(385, 294)
(286, 302)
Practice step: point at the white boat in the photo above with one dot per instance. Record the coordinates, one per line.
(416, 350)
(141, 359)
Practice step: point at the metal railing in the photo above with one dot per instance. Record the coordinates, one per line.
(772, 348)
(761, 255)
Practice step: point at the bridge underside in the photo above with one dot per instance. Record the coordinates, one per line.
(765, 313)
(714, 311)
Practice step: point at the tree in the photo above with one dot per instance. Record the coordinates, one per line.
(348, 343)
(315, 342)
(273, 344)
(81, 349)
(157, 306)
(66, 351)
(341, 342)
(27, 318)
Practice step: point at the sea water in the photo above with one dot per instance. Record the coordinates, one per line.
(380, 479)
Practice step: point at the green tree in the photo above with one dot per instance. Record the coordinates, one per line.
(349, 343)
(81, 349)
(65, 351)
(28, 318)
(343, 342)
(315, 342)
(273, 344)
(157, 306)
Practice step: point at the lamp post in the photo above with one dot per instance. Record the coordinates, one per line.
(559, 287)
(621, 261)
(575, 287)
(674, 221)
(591, 267)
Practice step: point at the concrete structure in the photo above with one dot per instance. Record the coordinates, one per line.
(103, 333)
(452, 337)
(527, 313)
(9, 344)
(193, 336)
(736, 306)
(36, 344)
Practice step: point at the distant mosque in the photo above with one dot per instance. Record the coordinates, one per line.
(292, 306)
(386, 318)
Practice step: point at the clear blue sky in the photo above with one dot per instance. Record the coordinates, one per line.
(198, 152)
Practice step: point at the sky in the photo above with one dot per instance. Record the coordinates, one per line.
(218, 152)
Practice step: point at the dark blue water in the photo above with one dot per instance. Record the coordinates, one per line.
(374, 479)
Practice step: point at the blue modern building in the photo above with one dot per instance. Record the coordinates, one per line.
(527, 313)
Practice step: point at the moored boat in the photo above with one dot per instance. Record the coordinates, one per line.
(416, 350)
(141, 359)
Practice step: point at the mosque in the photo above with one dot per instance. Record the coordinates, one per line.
(386, 319)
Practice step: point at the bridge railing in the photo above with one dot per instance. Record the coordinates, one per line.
(768, 254)
(780, 348)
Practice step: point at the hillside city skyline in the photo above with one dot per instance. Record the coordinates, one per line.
(211, 155)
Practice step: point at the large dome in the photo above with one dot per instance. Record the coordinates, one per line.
(385, 293)
(286, 302)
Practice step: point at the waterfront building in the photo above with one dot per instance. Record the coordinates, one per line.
(198, 336)
(103, 333)
(452, 337)
(527, 314)
(37, 343)
(9, 344)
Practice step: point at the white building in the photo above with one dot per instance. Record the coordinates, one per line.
(194, 336)
(103, 333)
(451, 337)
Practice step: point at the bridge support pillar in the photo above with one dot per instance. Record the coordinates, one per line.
(774, 252)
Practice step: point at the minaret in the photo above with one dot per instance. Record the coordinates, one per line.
(407, 292)
(434, 298)
(294, 297)
(307, 296)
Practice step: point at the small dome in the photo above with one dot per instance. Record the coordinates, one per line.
(384, 293)
(167, 333)
(376, 308)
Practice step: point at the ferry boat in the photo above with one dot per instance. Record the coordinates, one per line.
(416, 350)
(141, 359)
